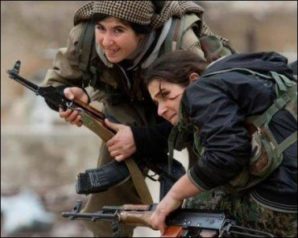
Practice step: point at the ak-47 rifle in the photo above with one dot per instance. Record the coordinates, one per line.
(183, 222)
(99, 179)
(93, 119)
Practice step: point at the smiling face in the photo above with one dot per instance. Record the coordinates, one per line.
(167, 96)
(117, 39)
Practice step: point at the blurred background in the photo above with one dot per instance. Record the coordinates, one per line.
(40, 154)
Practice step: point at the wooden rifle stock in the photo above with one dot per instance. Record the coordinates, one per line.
(173, 231)
(141, 218)
(93, 119)
(139, 215)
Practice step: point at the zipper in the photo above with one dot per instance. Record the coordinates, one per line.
(127, 79)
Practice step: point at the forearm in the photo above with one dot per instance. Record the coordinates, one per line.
(181, 190)
(184, 188)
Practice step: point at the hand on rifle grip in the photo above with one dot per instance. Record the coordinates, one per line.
(71, 116)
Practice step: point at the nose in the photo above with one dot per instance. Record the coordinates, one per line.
(106, 40)
(161, 110)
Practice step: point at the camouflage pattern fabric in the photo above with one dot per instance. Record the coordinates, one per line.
(247, 212)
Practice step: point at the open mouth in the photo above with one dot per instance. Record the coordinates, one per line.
(111, 52)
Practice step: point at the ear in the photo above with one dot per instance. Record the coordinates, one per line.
(193, 77)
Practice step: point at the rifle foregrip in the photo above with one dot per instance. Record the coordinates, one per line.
(135, 218)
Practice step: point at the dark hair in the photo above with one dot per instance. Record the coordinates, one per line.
(137, 28)
(175, 67)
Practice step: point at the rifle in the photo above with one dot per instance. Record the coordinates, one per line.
(183, 222)
(93, 119)
(113, 173)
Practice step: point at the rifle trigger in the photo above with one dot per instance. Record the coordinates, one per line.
(69, 104)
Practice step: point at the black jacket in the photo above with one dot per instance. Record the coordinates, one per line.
(218, 106)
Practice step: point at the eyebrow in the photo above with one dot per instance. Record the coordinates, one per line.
(159, 91)
(117, 24)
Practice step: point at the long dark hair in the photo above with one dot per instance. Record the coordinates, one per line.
(175, 67)
(137, 28)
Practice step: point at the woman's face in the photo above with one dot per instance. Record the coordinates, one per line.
(117, 40)
(167, 96)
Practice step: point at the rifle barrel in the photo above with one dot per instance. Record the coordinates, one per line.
(14, 75)
(93, 216)
(55, 97)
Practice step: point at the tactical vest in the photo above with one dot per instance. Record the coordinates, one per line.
(267, 153)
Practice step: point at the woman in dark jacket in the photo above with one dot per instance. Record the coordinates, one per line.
(212, 108)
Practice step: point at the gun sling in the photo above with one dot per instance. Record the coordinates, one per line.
(135, 173)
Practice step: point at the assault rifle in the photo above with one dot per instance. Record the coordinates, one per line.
(183, 222)
(113, 173)
(56, 97)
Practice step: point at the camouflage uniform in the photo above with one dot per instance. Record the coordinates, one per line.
(67, 72)
(247, 212)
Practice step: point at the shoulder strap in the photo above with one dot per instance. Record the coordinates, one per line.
(139, 181)
(171, 39)
(286, 95)
(178, 28)
(86, 45)
(137, 177)
(187, 21)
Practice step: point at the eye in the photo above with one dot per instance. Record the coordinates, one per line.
(173, 97)
(164, 93)
(118, 30)
(168, 95)
(99, 27)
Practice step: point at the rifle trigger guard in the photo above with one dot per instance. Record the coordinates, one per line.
(77, 207)
(151, 177)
